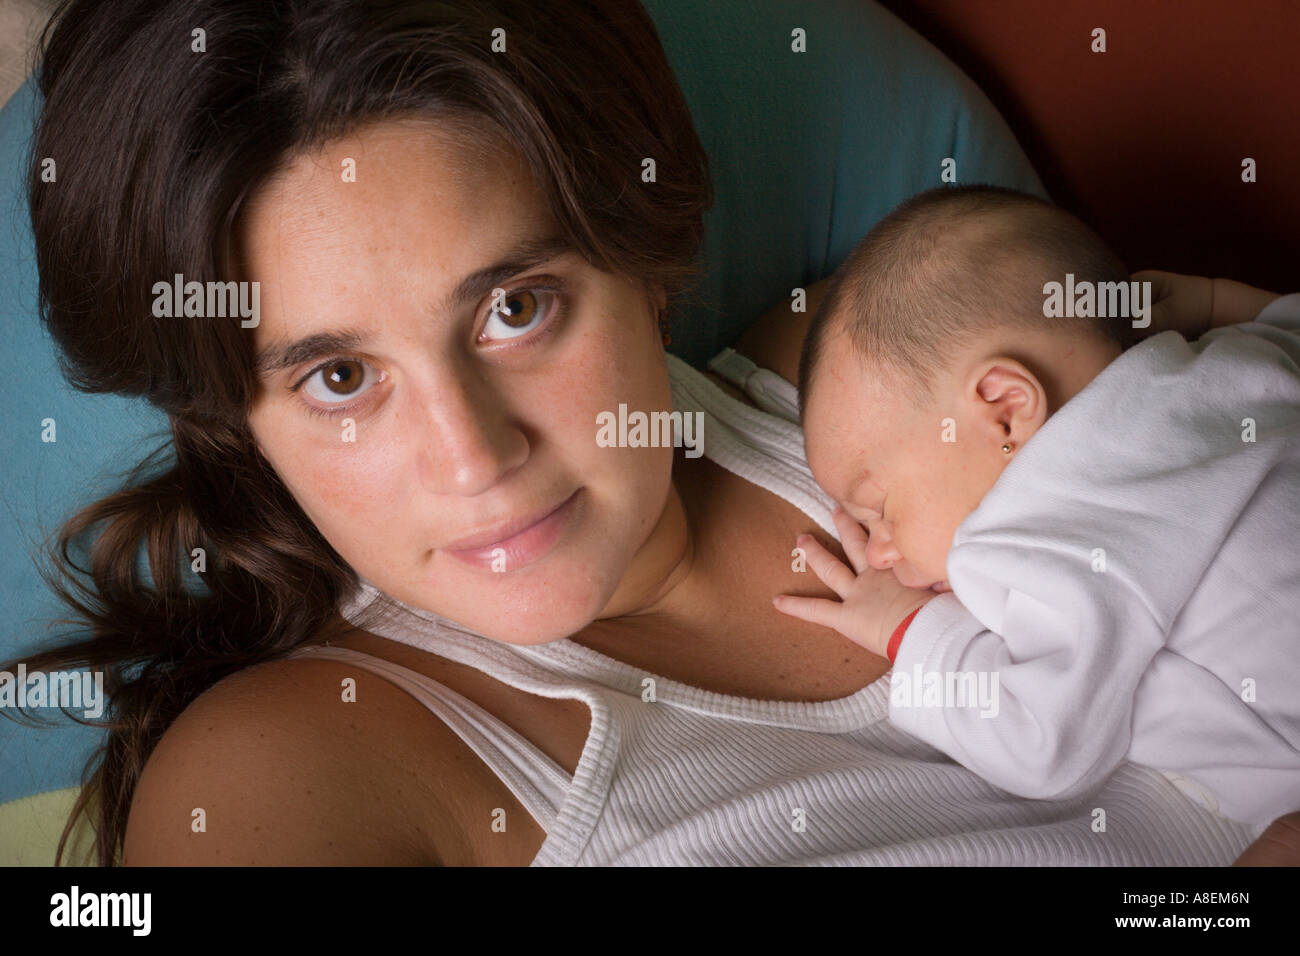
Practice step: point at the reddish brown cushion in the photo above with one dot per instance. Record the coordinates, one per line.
(1145, 142)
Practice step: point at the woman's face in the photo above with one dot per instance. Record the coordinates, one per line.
(433, 377)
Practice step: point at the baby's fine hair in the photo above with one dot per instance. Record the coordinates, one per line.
(950, 264)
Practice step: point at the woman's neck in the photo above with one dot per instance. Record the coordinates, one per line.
(660, 566)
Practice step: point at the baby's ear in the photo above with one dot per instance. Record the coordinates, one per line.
(1000, 378)
(1011, 399)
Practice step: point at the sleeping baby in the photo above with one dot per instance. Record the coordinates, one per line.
(1098, 541)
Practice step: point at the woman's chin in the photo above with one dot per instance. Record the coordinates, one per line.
(536, 605)
(521, 628)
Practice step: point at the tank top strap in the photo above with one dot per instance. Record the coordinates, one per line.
(539, 783)
(770, 391)
(761, 447)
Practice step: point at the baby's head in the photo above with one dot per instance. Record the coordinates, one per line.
(930, 362)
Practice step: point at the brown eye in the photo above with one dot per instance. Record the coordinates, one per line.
(346, 378)
(518, 309)
(343, 378)
(520, 312)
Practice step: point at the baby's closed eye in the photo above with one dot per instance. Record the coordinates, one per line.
(861, 515)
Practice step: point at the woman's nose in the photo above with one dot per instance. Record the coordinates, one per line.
(471, 440)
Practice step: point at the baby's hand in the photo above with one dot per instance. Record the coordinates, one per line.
(1183, 304)
(872, 603)
(1192, 305)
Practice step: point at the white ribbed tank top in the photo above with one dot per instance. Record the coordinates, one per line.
(699, 778)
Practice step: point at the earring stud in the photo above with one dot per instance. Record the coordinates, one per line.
(1006, 449)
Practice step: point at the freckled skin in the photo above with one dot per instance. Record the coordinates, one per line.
(459, 433)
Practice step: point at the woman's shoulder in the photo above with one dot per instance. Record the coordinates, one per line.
(275, 764)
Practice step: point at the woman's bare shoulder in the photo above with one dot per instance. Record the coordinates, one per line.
(775, 340)
(275, 765)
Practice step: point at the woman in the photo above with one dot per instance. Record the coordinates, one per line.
(461, 265)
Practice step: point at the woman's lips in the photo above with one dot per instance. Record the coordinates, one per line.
(522, 547)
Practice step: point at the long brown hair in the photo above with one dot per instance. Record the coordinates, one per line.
(158, 144)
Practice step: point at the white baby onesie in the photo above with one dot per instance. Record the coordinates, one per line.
(1130, 586)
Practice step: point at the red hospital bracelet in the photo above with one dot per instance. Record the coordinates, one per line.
(897, 638)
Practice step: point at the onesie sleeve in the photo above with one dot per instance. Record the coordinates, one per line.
(1049, 660)
(1284, 312)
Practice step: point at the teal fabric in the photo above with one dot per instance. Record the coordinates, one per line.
(97, 439)
(808, 151)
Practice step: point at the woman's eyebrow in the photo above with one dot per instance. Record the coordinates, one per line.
(524, 255)
(273, 358)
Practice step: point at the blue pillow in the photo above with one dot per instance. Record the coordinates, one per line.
(808, 151)
(97, 439)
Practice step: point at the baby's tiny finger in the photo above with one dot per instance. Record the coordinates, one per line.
(814, 610)
(853, 539)
(830, 570)
(828, 614)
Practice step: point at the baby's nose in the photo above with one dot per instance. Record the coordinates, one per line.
(881, 553)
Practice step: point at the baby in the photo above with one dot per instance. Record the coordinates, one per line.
(1099, 545)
